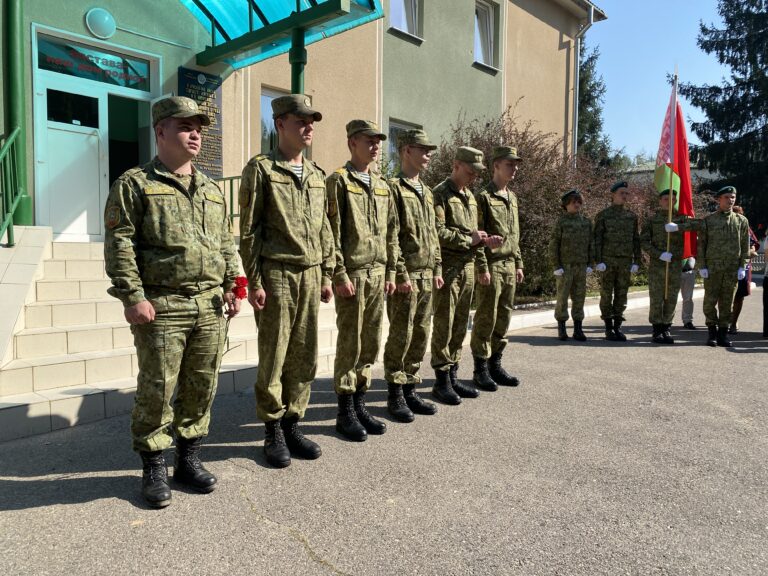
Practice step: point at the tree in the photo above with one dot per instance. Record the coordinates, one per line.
(591, 141)
(734, 135)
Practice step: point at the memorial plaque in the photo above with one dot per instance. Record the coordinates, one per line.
(205, 89)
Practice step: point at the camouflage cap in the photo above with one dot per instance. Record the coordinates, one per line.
(414, 138)
(565, 198)
(298, 104)
(505, 153)
(471, 156)
(619, 185)
(666, 191)
(364, 127)
(177, 107)
(725, 190)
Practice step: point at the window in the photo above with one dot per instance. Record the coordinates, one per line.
(392, 161)
(268, 132)
(404, 16)
(485, 33)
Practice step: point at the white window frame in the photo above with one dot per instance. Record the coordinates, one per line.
(266, 115)
(401, 10)
(396, 126)
(488, 11)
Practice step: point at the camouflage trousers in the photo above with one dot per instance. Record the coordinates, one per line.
(287, 339)
(661, 310)
(180, 351)
(451, 315)
(614, 286)
(410, 316)
(358, 320)
(494, 310)
(719, 291)
(573, 284)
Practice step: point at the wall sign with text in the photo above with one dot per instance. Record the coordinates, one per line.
(205, 89)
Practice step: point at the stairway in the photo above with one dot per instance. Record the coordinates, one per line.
(74, 360)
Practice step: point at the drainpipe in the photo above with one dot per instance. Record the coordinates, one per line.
(297, 57)
(577, 59)
(16, 116)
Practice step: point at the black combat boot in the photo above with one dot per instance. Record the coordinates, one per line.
(578, 333)
(347, 423)
(297, 443)
(561, 333)
(711, 335)
(722, 337)
(465, 390)
(187, 468)
(443, 391)
(416, 403)
(371, 424)
(481, 378)
(497, 372)
(609, 333)
(658, 334)
(275, 448)
(667, 335)
(154, 479)
(396, 404)
(620, 336)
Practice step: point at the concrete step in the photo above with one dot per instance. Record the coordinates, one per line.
(64, 313)
(64, 269)
(78, 251)
(48, 290)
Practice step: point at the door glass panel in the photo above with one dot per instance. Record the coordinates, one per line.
(73, 109)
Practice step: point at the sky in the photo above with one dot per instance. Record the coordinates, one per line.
(640, 43)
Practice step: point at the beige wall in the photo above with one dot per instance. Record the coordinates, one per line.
(539, 69)
(342, 77)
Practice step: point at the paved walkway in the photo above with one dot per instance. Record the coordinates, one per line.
(609, 459)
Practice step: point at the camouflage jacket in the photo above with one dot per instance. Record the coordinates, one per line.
(571, 242)
(161, 238)
(364, 224)
(497, 215)
(654, 238)
(417, 237)
(617, 239)
(282, 218)
(724, 239)
(456, 219)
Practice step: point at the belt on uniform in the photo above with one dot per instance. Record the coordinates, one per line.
(420, 274)
(156, 291)
(369, 272)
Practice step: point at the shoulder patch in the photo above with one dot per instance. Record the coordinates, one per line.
(113, 217)
(340, 170)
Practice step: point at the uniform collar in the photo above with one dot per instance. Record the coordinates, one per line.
(407, 181)
(162, 170)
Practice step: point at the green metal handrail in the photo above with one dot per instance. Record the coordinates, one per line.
(10, 185)
(231, 185)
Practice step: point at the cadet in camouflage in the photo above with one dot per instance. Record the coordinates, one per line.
(570, 253)
(286, 246)
(169, 252)
(498, 268)
(418, 269)
(723, 256)
(617, 252)
(363, 219)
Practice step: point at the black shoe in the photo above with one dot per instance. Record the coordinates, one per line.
(666, 335)
(154, 479)
(561, 333)
(733, 329)
(711, 335)
(187, 468)
(347, 423)
(463, 389)
(658, 334)
(498, 374)
(722, 337)
(297, 443)
(481, 378)
(371, 424)
(416, 403)
(620, 336)
(275, 448)
(689, 326)
(609, 333)
(578, 333)
(396, 404)
(443, 391)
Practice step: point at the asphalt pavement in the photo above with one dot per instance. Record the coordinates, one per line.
(610, 458)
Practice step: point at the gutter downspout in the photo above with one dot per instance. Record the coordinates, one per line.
(577, 59)
(16, 115)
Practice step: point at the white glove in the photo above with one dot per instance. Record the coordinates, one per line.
(559, 272)
(666, 257)
(601, 267)
(704, 273)
(670, 227)
(589, 269)
(741, 274)
(634, 269)
(692, 262)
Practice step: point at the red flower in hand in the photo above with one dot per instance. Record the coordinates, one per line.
(239, 290)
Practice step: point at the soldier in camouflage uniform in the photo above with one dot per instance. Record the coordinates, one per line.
(363, 219)
(169, 252)
(498, 269)
(617, 252)
(460, 241)
(287, 250)
(654, 241)
(570, 252)
(418, 269)
(723, 256)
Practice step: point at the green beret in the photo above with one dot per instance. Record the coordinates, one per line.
(619, 185)
(666, 192)
(725, 190)
(565, 198)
